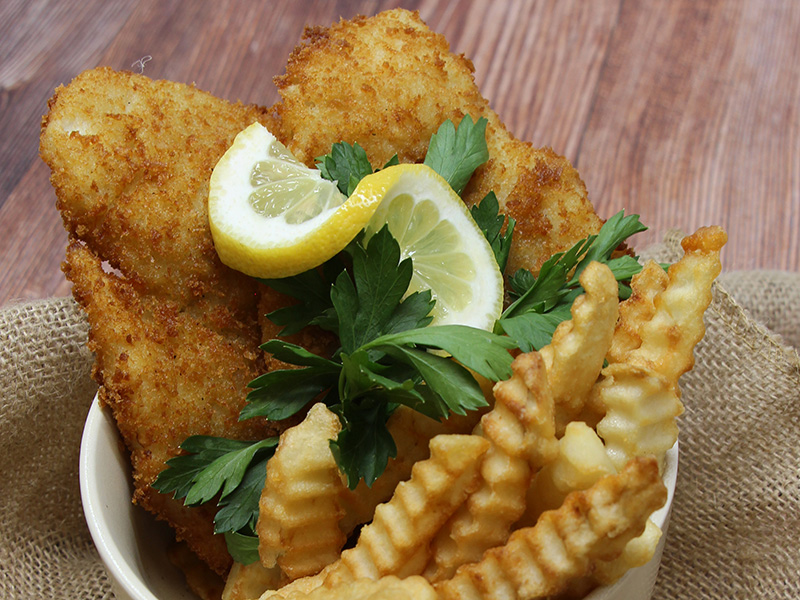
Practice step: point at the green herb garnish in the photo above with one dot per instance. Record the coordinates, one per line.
(347, 165)
(544, 301)
(456, 153)
(383, 360)
(488, 217)
(452, 153)
(234, 470)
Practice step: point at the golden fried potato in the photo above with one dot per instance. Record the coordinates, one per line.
(299, 533)
(385, 588)
(521, 430)
(246, 582)
(580, 463)
(576, 353)
(637, 552)
(412, 432)
(299, 509)
(396, 542)
(566, 543)
(669, 338)
(640, 397)
(639, 308)
(641, 408)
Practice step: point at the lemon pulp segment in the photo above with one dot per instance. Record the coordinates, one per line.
(450, 254)
(270, 215)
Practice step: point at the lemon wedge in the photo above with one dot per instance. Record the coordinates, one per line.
(270, 215)
(449, 253)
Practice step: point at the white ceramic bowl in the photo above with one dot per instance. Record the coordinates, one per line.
(133, 546)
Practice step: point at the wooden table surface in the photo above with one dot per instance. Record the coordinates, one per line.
(684, 111)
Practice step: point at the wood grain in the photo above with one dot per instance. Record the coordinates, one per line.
(687, 112)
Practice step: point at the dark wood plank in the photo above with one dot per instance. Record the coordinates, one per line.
(41, 46)
(697, 121)
(686, 112)
(538, 63)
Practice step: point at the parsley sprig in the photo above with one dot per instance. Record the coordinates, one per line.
(234, 471)
(454, 153)
(490, 221)
(383, 361)
(545, 300)
(347, 165)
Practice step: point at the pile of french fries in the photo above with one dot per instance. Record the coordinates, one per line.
(547, 493)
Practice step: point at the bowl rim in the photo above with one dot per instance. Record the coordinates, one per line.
(121, 573)
(96, 518)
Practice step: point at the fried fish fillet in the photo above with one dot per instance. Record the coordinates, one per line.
(131, 159)
(174, 331)
(388, 82)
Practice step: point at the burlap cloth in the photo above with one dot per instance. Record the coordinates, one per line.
(735, 528)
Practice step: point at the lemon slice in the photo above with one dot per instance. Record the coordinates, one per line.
(270, 215)
(450, 254)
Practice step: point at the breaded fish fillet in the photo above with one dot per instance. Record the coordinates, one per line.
(131, 160)
(388, 82)
(174, 331)
(166, 376)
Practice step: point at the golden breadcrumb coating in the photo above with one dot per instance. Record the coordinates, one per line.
(388, 82)
(174, 331)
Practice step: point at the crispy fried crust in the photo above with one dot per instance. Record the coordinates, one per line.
(130, 161)
(165, 377)
(174, 331)
(388, 82)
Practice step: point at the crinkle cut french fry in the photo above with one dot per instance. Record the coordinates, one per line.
(576, 353)
(566, 543)
(641, 411)
(412, 432)
(396, 541)
(637, 552)
(385, 588)
(246, 582)
(639, 308)
(521, 430)
(640, 396)
(669, 338)
(581, 462)
(299, 509)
